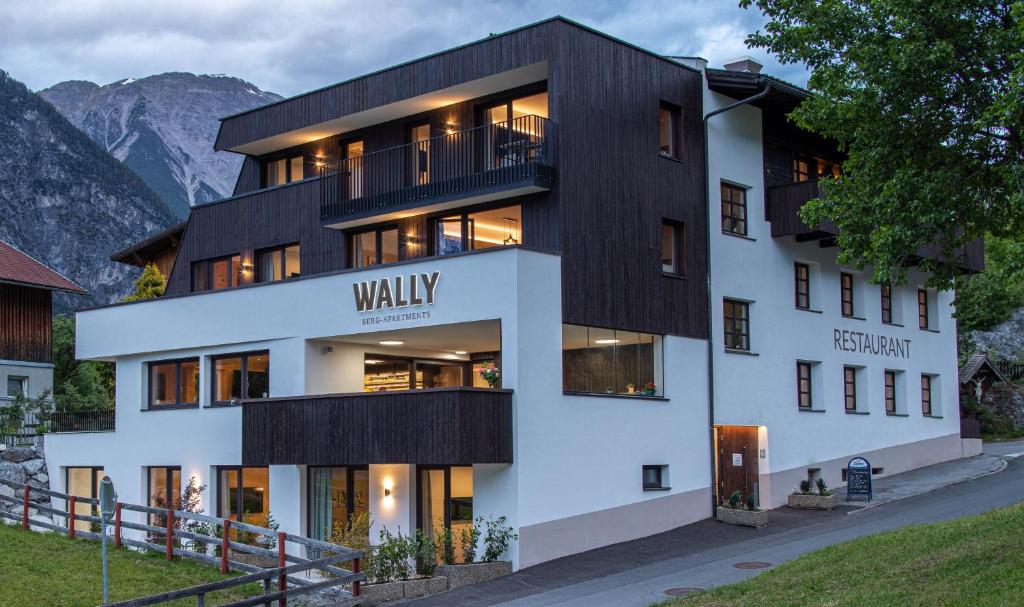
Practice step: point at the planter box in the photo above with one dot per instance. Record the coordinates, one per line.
(750, 518)
(473, 573)
(387, 592)
(813, 502)
(384, 592)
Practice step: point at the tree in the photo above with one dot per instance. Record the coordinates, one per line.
(926, 99)
(986, 299)
(149, 285)
(78, 385)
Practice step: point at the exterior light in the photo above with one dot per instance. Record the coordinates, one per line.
(461, 352)
(387, 492)
(392, 342)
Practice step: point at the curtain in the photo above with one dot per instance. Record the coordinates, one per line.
(322, 511)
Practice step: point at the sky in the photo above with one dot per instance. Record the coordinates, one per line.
(299, 45)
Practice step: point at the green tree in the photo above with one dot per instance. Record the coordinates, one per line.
(926, 99)
(78, 385)
(986, 299)
(149, 285)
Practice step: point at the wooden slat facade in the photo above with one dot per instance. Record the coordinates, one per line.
(25, 324)
(444, 426)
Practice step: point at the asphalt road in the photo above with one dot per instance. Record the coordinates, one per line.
(703, 555)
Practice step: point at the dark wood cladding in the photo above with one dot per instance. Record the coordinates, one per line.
(450, 426)
(784, 202)
(25, 324)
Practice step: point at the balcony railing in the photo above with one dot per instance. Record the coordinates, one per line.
(502, 157)
(453, 426)
(784, 202)
(21, 428)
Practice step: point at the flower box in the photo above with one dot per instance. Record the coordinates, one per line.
(749, 518)
(807, 501)
(473, 573)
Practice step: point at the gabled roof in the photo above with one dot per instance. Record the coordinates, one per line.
(138, 253)
(20, 269)
(976, 363)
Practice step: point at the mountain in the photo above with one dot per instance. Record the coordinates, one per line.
(163, 128)
(66, 201)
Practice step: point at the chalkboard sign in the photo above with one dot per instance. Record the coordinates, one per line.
(858, 478)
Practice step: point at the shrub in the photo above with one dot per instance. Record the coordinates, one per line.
(497, 539)
(469, 537)
(805, 487)
(823, 488)
(426, 553)
(735, 500)
(445, 546)
(355, 534)
(752, 502)
(391, 557)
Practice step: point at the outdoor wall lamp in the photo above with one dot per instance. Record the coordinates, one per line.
(387, 492)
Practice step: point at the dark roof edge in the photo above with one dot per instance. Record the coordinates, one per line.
(148, 240)
(455, 48)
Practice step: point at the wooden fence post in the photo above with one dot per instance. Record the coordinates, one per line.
(71, 516)
(356, 586)
(170, 534)
(117, 525)
(224, 539)
(281, 562)
(24, 512)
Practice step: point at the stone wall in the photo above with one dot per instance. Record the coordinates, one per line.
(21, 465)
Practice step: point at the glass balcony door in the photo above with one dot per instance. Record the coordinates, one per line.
(419, 154)
(512, 137)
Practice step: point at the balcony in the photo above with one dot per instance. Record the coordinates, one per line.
(451, 426)
(485, 163)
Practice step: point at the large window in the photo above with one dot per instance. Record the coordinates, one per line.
(610, 361)
(280, 171)
(279, 263)
(736, 323)
(174, 382)
(846, 293)
(84, 481)
(445, 501)
(215, 274)
(387, 373)
(373, 248)
(850, 388)
(926, 394)
(669, 136)
(809, 168)
(243, 493)
(479, 230)
(336, 496)
(803, 385)
(673, 260)
(512, 136)
(164, 484)
(802, 285)
(238, 376)
(734, 209)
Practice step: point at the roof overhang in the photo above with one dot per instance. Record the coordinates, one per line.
(783, 96)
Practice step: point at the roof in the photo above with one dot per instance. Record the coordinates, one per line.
(21, 269)
(138, 253)
(976, 363)
(783, 95)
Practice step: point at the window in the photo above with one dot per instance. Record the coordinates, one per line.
(802, 285)
(846, 293)
(672, 248)
(17, 386)
(610, 361)
(803, 385)
(886, 291)
(280, 171)
(373, 248)
(336, 495)
(243, 493)
(215, 274)
(808, 168)
(84, 481)
(669, 136)
(352, 156)
(387, 373)
(736, 316)
(445, 501)
(419, 154)
(164, 484)
(514, 130)
(926, 394)
(174, 382)
(479, 230)
(654, 477)
(890, 392)
(240, 376)
(922, 309)
(850, 388)
(280, 263)
(734, 210)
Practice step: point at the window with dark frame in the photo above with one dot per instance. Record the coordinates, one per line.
(335, 494)
(846, 293)
(596, 360)
(475, 230)
(174, 383)
(922, 308)
(83, 481)
(850, 388)
(17, 385)
(673, 260)
(926, 394)
(653, 477)
(238, 376)
(243, 493)
(279, 171)
(890, 392)
(669, 135)
(164, 487)
(373, 247)
(803, 385)
(802, 285)
(734, 209)
(886, 291)
(217, 273)
(736, 315)
(278, 263)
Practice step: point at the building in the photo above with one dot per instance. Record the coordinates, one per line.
(536, 203)
(26, 313)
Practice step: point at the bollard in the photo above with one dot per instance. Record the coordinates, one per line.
(283, 582)
(224, 539)
(170, 534)
(71, 517)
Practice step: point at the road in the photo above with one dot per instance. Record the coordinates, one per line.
(703, 555)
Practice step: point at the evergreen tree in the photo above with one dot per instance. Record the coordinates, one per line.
(149, 285)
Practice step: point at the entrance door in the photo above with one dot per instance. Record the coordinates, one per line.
(737, 455)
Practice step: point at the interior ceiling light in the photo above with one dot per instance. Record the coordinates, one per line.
(606, 341)
(392, 342)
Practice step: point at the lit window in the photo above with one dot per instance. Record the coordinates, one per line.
(803, 385)
(669, 139)
(373, 248)
(277, 264)
(243, 493)
(215, 274)
(672, 248)
(280, 171)
(610, 361)
(802, 285)
(846, 293)
(239, 376)
(850, 388)
(174, 382)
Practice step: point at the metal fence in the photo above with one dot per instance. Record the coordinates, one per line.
(177, 533)
(21, 429)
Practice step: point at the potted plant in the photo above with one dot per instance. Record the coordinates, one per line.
(491, 375)
(738, 511)
(650, 389)
(630, 389)
(805, 498)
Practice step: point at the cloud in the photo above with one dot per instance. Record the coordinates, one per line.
(293, 47)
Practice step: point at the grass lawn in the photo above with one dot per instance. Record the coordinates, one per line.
(975, 561)
(47, 569)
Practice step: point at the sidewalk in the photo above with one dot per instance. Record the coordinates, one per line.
(922, 480)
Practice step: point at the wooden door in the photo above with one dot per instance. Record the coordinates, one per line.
(737, 455)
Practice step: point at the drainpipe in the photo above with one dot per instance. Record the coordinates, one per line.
(707, 248)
